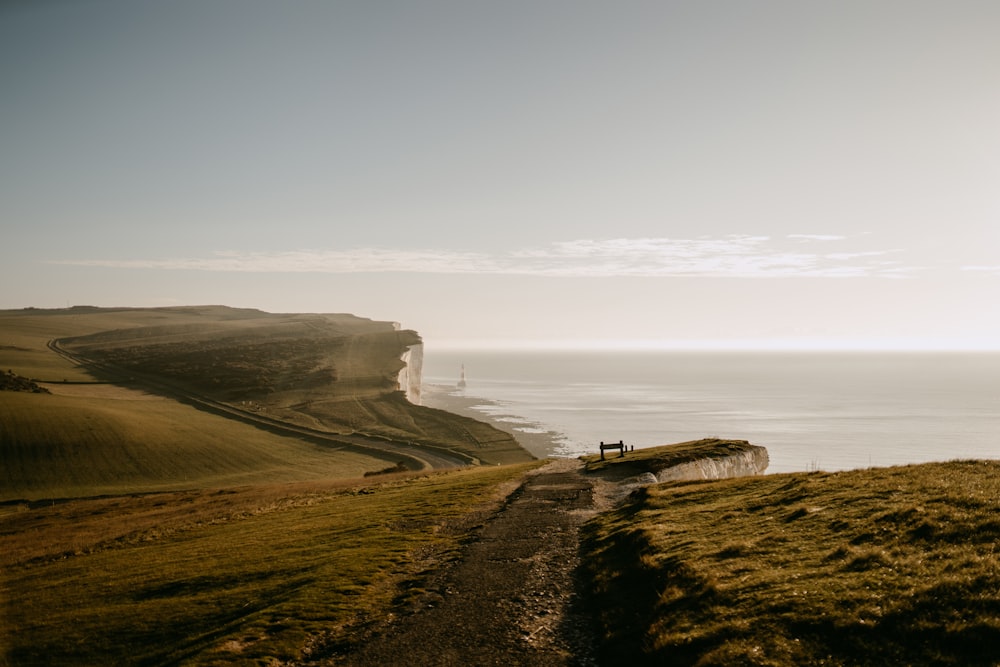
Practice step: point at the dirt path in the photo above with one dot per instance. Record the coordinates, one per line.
(510, 599)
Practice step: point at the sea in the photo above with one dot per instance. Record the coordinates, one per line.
(811, 410)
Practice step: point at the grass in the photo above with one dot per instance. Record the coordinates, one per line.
(868, 567)
(392, 416)
(655, 459)
(337, 373)
(24, 335)
(137, 530)
(242, 576)
(168, 535)
(87, 441)
(55, 446)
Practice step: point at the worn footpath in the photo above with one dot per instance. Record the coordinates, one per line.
(510, 599)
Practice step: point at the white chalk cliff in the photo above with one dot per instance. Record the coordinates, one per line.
(411, 375)
(746, 460)
(752, 461)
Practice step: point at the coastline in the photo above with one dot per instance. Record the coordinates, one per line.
(539, 442)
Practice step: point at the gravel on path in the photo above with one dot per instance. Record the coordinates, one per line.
(511, 598)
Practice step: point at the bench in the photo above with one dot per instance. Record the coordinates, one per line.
(620, 446)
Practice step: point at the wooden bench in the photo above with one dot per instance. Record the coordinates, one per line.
(620, 446)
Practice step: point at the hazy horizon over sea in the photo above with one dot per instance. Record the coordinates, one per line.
(811, 410)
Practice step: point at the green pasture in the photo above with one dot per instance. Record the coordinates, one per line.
(60, 446)
(331, 372)
(25, 334)
(892, 566)
(241, 588)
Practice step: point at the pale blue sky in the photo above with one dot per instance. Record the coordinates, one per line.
(681, 173)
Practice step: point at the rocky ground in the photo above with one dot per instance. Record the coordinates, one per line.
(510, 599)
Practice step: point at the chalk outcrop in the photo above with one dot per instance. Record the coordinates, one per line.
(706, 459)
(411, 375)
(752, 460)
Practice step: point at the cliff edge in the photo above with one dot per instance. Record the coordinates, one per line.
(337, 373)
(739, 459)
(709, 458)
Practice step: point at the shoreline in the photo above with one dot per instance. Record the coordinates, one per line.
(541, 444)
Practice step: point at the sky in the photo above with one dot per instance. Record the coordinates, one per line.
(551, 173)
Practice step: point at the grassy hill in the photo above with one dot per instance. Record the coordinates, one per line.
(333, 373)
(136, 528)
(243, 576)
(172, 535)
(57, 446)
(336, 373)
(894, 566)
(655, 459)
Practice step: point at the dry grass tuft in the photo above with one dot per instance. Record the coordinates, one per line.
(870, 567)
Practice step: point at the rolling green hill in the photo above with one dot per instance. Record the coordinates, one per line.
(336, 373)
(244, 576)
(890, 566)
(115, 424)
(65, 446)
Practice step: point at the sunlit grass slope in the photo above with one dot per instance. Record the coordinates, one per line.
(392, 416)
(55, 446)
(333, 372)
(895, 566)
(25, 333)
(243, 577)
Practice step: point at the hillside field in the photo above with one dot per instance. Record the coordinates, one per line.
(138, 527)
(58, 446)
(889, 566)
(240, 576)
(117, 426)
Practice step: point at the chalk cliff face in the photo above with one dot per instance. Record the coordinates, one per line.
(753, 461)
(410, 375)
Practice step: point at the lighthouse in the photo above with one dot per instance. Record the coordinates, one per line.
(461, 379)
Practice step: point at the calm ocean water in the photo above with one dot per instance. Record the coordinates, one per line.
(826, 411)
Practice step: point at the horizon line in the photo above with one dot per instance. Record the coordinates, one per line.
(486, 345)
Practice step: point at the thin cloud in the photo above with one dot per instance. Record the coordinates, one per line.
(741, 256)
(817, 237)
